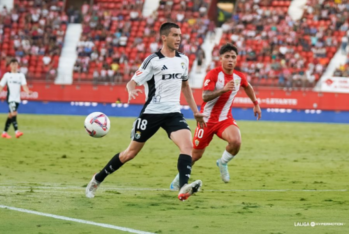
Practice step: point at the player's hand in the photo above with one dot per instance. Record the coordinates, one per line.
(30, 92)
(230, 86)
(133, 94)
(200, 119)
(257, 112)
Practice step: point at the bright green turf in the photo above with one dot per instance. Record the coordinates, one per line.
(56, 151)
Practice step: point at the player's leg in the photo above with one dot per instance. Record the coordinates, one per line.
(7, 126)
(179, 132)
(113, 165)
(182, 138)
(196, 155)
(231, 134)
(12, 111)
(143, 129)
(202, 138)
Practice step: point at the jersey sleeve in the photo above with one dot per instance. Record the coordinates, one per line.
(3, 81)
(23, 80)
(244, 82)
(185, 76)
(145, 71)
(210, 81)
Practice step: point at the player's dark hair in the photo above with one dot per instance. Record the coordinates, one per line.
(13, 60)
(228, 47)
(166, 28)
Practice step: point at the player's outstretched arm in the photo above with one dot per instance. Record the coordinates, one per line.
(208, 95)
(186, 90)
(132, 91)
(250, 93)
(26, 89)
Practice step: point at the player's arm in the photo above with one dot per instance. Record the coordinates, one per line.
(142, 75)
(26, 89)
(250, 93)
(208, 95)
(24, 85)
(3, 82)
(186, 90)
(132, 90)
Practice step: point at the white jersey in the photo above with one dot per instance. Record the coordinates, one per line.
(162, 78)
(14, 81)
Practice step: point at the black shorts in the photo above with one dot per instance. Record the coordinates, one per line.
(148, 124)
(12, 106)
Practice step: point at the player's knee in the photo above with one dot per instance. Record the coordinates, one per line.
(235, 143)
(196, 157)
(187, 149)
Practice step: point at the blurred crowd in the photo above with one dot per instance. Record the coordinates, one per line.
(273, 46)
(34, 34)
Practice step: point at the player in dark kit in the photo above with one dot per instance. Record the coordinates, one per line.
(14, 81)
(164, 75)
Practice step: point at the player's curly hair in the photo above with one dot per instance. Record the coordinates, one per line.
(228, 47)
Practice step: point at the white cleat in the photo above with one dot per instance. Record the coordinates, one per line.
(92, 187)
(223, 168)
(189, 189)
(175, 184)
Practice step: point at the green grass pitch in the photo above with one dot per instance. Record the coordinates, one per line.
(273, 180)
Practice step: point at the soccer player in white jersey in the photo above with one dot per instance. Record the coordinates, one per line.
(219, 90)
(14, 81)
(164, 75)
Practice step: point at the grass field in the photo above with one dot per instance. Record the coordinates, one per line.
(286, 173)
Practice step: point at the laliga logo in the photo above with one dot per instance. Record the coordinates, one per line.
(95, 120)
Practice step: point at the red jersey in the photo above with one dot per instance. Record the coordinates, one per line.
(219, 109)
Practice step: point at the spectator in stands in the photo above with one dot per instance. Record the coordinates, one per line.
(344, 44)
(200, 55)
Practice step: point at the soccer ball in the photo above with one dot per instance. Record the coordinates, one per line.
(97, 124)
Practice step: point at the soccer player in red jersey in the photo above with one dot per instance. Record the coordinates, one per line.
(219, 90)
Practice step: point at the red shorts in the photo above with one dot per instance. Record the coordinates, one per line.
(203, 136)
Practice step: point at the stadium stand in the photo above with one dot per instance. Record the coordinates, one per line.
(33, 32)
(116, 37)
(277, 51)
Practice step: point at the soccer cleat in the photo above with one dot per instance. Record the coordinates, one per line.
(175, 184)
(19, 134)
(92, 187)
(223, 168)
(5, 135)
(189, 189)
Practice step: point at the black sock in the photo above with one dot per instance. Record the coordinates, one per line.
(14, 122)
(184, 169)
(113, 165)
(8, 124)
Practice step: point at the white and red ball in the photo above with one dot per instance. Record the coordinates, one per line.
(97, 124)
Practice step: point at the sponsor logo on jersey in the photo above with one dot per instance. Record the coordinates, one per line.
(164, 68)
(138, 73)
(172, 76)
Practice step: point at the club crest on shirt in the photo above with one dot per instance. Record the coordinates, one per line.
(138, 135)
(197, 142)
(237, 82)
(183, 65)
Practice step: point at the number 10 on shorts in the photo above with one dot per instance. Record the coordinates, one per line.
(142, 124)
(199, 133)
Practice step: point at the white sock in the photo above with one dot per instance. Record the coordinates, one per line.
(3, 132)
(226, 157)
(16, 131)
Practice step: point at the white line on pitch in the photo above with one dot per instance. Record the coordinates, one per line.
(162, 189)
(75, 220)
